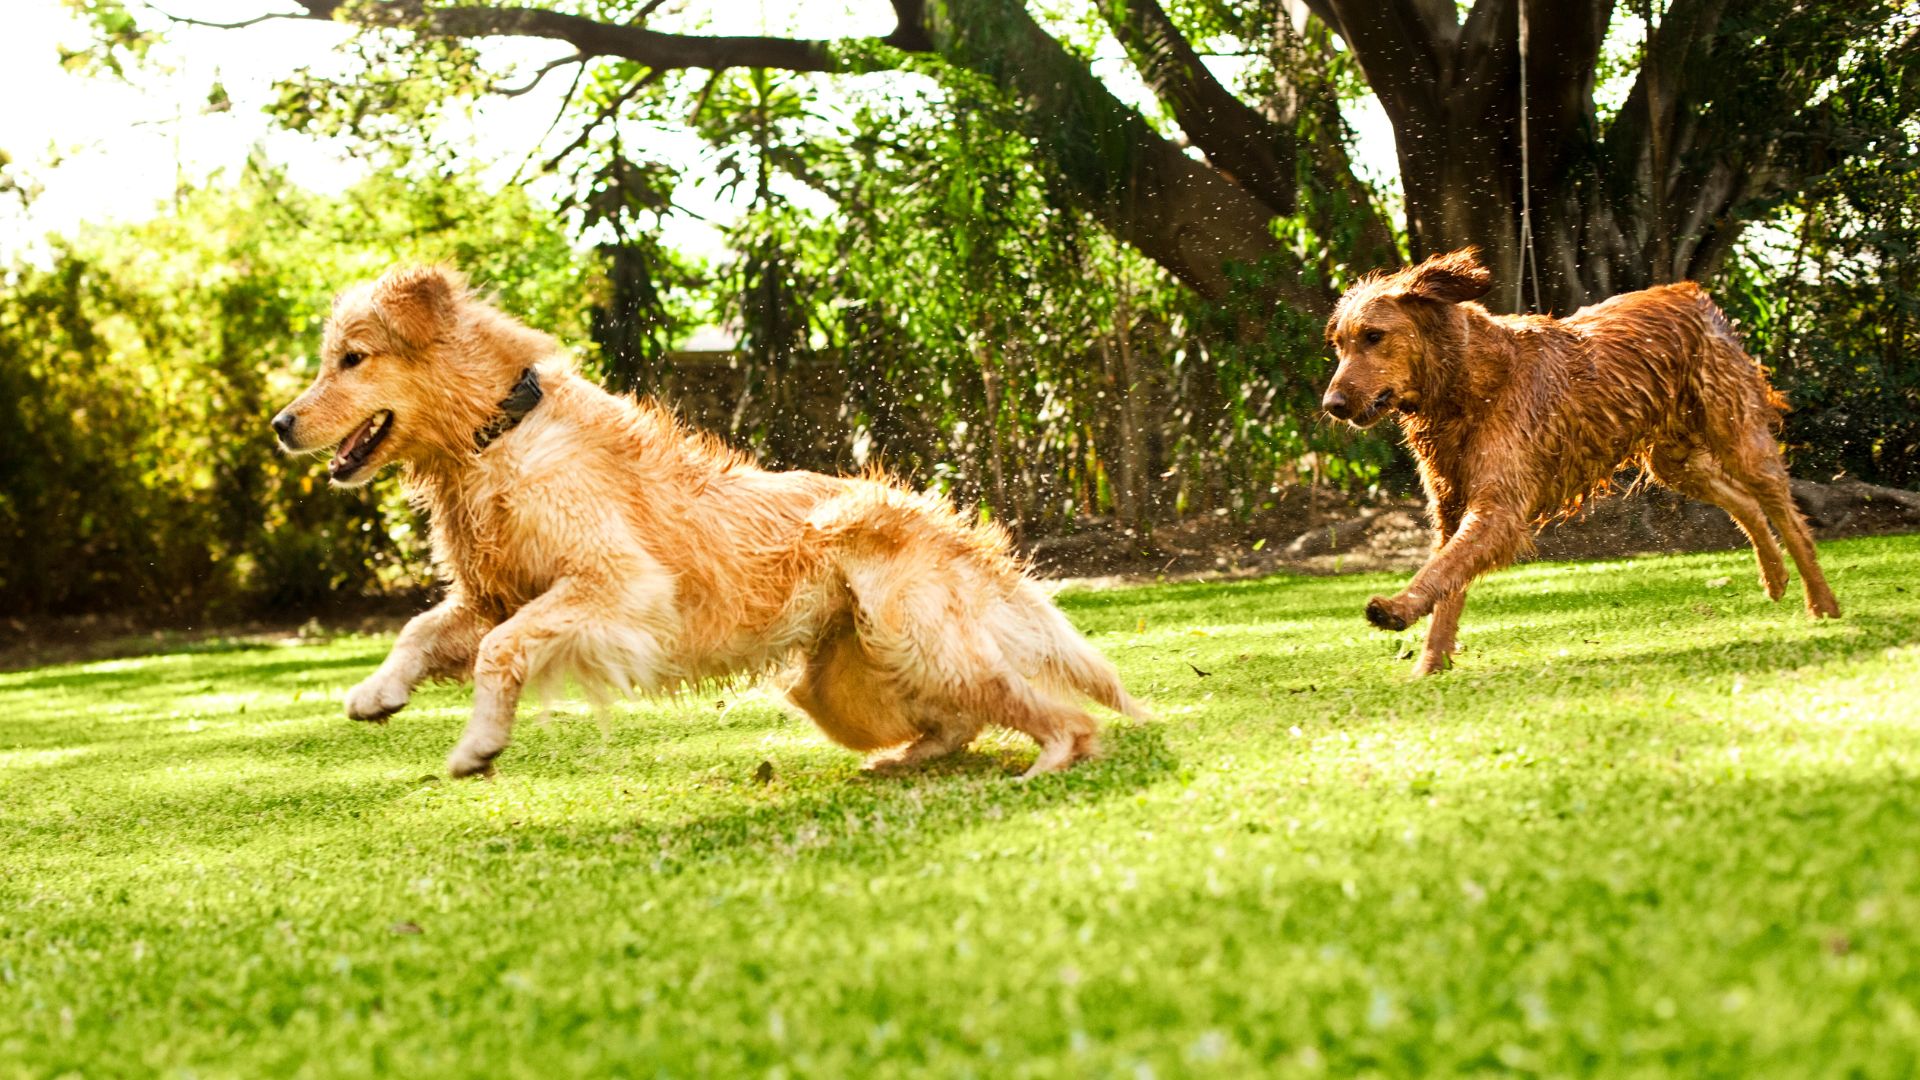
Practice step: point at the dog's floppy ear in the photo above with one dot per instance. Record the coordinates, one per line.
(417, 301)
(1452, 278)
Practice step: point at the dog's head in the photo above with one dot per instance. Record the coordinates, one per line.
(380, 395)
(1385, 329)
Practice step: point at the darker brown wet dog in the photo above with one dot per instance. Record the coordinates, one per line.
(1516, 419)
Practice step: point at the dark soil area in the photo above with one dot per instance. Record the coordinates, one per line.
(1309, 531)
(1321, 532)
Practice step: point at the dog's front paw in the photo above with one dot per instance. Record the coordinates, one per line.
(375, 699)
(1389, 614)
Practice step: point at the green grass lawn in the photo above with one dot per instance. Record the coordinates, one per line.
(1650, 824)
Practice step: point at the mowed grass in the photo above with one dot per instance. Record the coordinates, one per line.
(1650, 825)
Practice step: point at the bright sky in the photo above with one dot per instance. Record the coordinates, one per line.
(103, 149)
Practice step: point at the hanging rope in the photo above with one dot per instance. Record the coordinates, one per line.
(1529, 260)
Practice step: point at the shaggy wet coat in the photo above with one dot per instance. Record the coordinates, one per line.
(1516, 419)
(597, 539)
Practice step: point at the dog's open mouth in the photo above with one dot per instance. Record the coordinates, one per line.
(1375, 409)
(356, 448)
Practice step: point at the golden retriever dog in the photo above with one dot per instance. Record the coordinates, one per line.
(591, 537)
(1517, 419)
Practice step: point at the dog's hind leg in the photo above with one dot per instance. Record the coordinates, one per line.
(1695, 472)
(982, 688)
(437, 643)
(940, 736)
(1065, 732)
(1752, 460)
(1767, 480)
(1739, 421)
(848, 697)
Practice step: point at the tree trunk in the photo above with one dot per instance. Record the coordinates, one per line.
(1180, 213)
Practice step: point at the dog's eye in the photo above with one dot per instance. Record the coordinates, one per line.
(1373, 337)
(351, 359)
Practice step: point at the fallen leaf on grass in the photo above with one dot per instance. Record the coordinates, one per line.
(764, 773)
(1719, 583)
(1197, 671)
(406, 928)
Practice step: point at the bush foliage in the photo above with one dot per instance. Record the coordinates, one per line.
(139, 366)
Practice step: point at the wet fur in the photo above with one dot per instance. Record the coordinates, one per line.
(1517, 419)
(600, 541)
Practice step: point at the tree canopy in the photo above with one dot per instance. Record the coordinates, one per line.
(1729, 106)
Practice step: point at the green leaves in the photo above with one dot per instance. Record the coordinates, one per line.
(138, 370)
(118, 41)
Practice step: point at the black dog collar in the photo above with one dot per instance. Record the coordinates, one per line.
(514, 408)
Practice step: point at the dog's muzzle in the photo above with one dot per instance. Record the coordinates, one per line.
(1341, 407)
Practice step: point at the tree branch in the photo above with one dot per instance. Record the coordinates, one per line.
(910, 30)
(1396, 43)
(592, 38)
(538, 76)
(241, 25)
(566, 100)
(1176, 211)
(1685, 27)
(1257, 153)
(605, 113)
(1564, 39)
(1740, 120)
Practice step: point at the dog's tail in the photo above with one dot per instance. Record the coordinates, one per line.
(1769, 405)
(1077, 662)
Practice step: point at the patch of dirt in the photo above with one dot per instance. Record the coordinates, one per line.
(1317, 532)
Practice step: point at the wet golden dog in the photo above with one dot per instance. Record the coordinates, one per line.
(1517, 419)
(588, 536)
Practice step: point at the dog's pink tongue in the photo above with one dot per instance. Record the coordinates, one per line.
(346, 447)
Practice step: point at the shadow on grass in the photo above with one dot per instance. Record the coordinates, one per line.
(265, 785)
(875, 814)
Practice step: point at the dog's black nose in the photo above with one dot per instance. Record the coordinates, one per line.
(1335, 403)
(283, 426)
